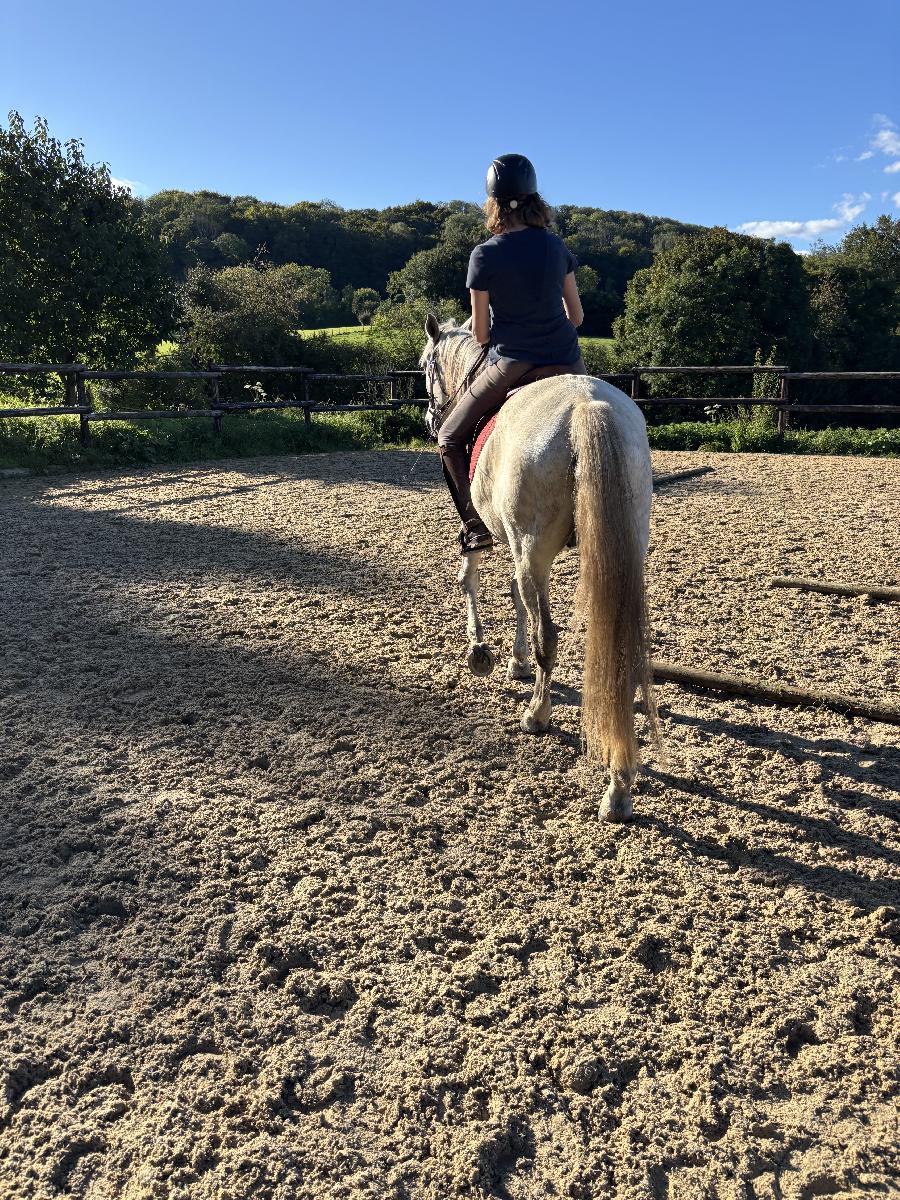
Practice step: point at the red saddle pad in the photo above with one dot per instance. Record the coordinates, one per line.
(480, 441)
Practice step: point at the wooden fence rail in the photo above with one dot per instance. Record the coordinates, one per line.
(76, 375)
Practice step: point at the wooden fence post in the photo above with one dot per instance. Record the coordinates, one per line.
(84, 426)
(782, 400)
(636, 383)
(216, 402)
(70, 383)
(307, 415)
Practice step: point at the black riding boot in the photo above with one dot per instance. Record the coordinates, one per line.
(474, 534)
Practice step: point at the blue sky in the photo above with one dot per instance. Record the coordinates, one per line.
(780, 118)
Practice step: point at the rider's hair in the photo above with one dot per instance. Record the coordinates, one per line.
(532, 210)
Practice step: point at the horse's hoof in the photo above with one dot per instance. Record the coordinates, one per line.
(530, 723)
(518, 670)
(616, 805)
(480, 659)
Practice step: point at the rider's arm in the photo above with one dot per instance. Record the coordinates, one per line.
(481, 317)
(571, 300)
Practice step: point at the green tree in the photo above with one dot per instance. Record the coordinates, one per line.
(249, 314)
(231, 249)
(876, 247)
(856, 298)
(614, 245)
(433, 276)
(364, 247)
(716, 297)
(400, 327)
(81, 278)
(364, 304)
(463, 231)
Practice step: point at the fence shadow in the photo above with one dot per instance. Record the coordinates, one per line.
(408, 470)
(835, 757)
(837, 883)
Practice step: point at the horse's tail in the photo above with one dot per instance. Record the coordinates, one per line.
(610, 597)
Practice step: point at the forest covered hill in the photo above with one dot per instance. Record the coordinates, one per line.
(408, 251)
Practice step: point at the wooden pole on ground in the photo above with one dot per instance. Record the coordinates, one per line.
(774, 693)
(875, 590)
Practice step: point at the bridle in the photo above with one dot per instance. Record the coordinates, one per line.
(433, 370)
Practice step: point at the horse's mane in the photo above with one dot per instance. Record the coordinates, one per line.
(458, 352)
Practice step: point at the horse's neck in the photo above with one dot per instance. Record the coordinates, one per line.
(467, 360)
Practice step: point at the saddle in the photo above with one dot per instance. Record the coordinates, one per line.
(485, 426)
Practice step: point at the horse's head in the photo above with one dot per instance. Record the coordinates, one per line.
(440, 367)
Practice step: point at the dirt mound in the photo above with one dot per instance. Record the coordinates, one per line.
(292, 910)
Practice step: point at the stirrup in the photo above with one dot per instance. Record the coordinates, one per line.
(471, 540)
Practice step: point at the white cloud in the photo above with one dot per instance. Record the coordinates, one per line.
(865, 154)
(130, 185)
(896, 199)
(789, 229)
(848, 208)
(886, 140)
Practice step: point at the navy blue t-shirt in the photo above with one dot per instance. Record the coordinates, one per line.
(523, 274)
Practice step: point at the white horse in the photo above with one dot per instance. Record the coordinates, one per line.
(567, 453)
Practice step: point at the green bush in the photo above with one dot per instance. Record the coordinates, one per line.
(248, 314)
(392, 427)
(750, 436)
(41, 442)
(596, 355)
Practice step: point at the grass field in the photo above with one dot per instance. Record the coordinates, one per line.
(332, 330)
(51, 443)
(357, 333)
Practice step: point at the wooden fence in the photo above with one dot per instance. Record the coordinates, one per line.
(75, 376)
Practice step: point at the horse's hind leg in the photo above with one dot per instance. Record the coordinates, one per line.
(518, 667)
(480, 659)
(532, 581)
(617, 803)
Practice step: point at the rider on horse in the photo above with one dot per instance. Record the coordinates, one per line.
(525, 311)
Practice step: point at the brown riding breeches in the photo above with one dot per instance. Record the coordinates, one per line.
(489, 391)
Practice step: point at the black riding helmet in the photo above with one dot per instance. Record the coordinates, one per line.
(511, 175)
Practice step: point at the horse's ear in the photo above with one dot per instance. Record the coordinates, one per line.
(432, 327)
(467, 323)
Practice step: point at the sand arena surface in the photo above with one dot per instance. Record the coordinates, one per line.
(291, 909)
